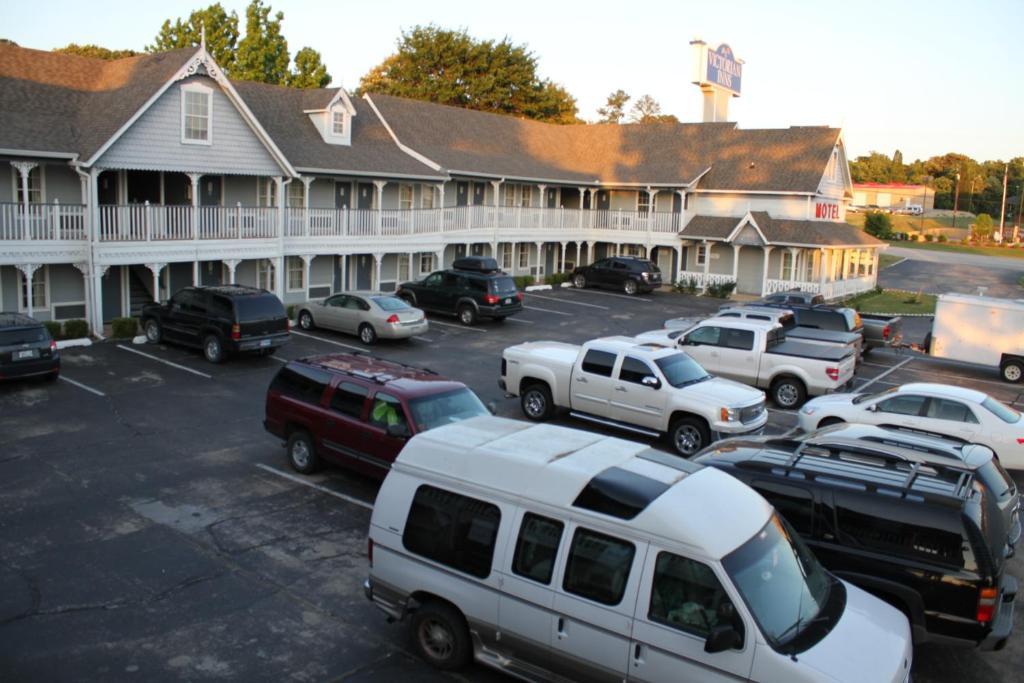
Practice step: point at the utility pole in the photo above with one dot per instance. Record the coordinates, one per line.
(956, 198)
(970, 209)
(1002, 206)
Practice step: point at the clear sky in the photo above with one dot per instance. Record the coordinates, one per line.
(929, 77)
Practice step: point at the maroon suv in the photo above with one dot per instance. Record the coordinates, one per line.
(358, 410)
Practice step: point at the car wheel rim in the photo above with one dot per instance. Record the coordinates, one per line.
(300, 454)
(1012, 373)
(630, 287)
(534, 404)
(580, 283)
(151, 331)
(212, 349)
(466, 317)
(688, 439)
(305, 321)
(366, 335)
(436, 639)
(787, 395)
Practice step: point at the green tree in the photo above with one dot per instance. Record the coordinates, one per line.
(310, 71)
(221, 34)
(647, 110)
(94, 51)
(8, 41)
(452, 67)
(614, 108)
(983, 228)
(878, 224)
(263, 52)
(873, 168)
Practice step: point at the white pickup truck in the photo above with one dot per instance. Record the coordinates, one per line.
(644, 388)
(757, 353)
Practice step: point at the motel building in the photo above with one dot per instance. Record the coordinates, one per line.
(123, 181)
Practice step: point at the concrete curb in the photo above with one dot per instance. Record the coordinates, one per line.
(68, 343)
(896, 263)
(141, 339)
(567, 284)
(537, 288)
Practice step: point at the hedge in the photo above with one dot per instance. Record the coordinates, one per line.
(124, 328)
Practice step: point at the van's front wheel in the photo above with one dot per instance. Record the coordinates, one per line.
(440, 636)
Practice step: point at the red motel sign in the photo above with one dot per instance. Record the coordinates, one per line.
(826, 211)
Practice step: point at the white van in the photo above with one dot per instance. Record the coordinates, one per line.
(556, 554)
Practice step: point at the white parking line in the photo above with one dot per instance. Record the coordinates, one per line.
(330, 341)
(890, 370)
(423, 339)
(960, 378)
(621, 296)
(158, 359)
(318, 487)
(546, 310)
(565, 301)
(519, 320)
(458, 327)
(80, 385)
(279, 359)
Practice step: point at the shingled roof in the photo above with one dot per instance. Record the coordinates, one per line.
(780, 231)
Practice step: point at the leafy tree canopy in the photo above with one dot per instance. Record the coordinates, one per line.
(95, 51)
(221, 34)
(614, 108)
(452, 67)
(647, 110)
(309, 71)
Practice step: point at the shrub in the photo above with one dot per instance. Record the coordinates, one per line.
(1020, 281)
(942, 238)
(720, 291)
(290, 311)
(913, 298)
(687, 285)
(878, 224)
(556, 279)
(75, 329)
(982, 228)
(929, 238)
(124, 328)
(523, 281)
(912, 237)
(53, 327)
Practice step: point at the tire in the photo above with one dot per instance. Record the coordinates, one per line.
(1012, 370)
(440, 636)
(829, 421)
(367, 334)
(499, 318)
(154, 333)
(788, 393)
(268, 352)
(630, 287)
(306, 320)
(579, 281)
(301, 454)
(213, 349)
(467, 315)
(688, 435)
(407, 298)
(536, 402)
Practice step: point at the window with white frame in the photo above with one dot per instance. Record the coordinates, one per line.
(39, 290)
(634, 250)
(426, 197)
(265, 274)
(524, 255)
(808, 269)
(643, 201)
(196, 114)
(426, 263)
(296, 194)
(296, 268)
(338, 122)
(35, 185)
(702, 254)
(266, 192)
(403, 268)
(786, 267)
(525, 195)
(506, 257)
(405, 197)
(510, 194)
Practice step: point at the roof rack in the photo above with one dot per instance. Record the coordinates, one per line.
(381, 377)
(866, 468)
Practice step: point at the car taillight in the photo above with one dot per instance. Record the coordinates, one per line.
(833, 374)
(987, 604)
(519, 296)
(885, 332)
(491, 299)
(392, 320)
(369, 550)
(236, 331)
(53, 345)
(287, 325)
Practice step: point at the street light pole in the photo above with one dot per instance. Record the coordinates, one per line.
(970, 209)
(956, 199)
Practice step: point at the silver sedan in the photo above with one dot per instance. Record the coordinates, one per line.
(370, 315)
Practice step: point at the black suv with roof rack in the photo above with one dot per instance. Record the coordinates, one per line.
(915, 522)
(220, 320)
(473, 288)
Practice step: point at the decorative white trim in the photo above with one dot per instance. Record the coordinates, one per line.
(185, 89)
(408, 150)
(748, 219)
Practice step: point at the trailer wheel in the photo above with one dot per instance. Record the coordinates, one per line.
(1012, 370)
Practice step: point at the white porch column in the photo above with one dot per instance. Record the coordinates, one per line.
(495, 190)
(764, 270)
(343, 271)
(590, 252)
(822, 270)
(155, 268)
(28, 270)
(543, 199)
(24, 169)
(682, 209)
(561, 268)
(578, 245)
(583, 193)
(231, 263)
(195, 273)
(707, 262)
(793, 254)
(874, 263)
(736, 262)
(194, 179)
(378, 199)
(680, 266)
(378, 258)
(307, 181)
(540, 259)
(846, 264)
(307, 261)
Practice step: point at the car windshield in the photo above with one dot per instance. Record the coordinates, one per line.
(780, 580)
(25, 335)
(258, 308)
(441, 409)
(860, 398)
(680, 370)
(1001, 410)
(390, 303)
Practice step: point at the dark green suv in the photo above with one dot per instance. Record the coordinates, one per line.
(473, 288)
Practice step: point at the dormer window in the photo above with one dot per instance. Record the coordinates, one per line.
(338, 123)
(334, 120)
(196, 114)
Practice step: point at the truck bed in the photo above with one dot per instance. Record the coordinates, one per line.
(815, 334)
(801, 349)
(558, 353)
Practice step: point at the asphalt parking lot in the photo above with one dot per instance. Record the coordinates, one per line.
(150, 528)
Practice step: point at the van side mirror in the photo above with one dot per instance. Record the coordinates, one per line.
(722, 637)
(398, 431)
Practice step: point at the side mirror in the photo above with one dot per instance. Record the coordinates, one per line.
(722, 637)
(492, 408)
(651, 381)
(873, 408)
(398, 431)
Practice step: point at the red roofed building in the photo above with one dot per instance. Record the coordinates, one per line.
(893, 195)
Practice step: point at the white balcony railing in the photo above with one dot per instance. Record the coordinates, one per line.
(42, 222)
(698, 279)
(791, 285)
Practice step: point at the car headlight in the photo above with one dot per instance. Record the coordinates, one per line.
(729, 414)
(645, 276)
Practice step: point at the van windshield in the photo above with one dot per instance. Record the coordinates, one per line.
(783, 584)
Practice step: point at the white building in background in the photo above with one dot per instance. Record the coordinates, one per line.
(122, 181)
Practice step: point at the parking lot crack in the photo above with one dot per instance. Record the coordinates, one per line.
(186, 583)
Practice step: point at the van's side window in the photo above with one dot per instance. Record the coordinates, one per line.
(455, 530)
(598, 566)
(537, 547)
(687, 595)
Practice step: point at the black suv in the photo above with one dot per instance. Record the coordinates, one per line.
(631, 275)
(26, 348)
(473, 288)
(921, 531)
(220, 320)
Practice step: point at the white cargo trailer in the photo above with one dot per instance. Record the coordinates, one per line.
(982, 330)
